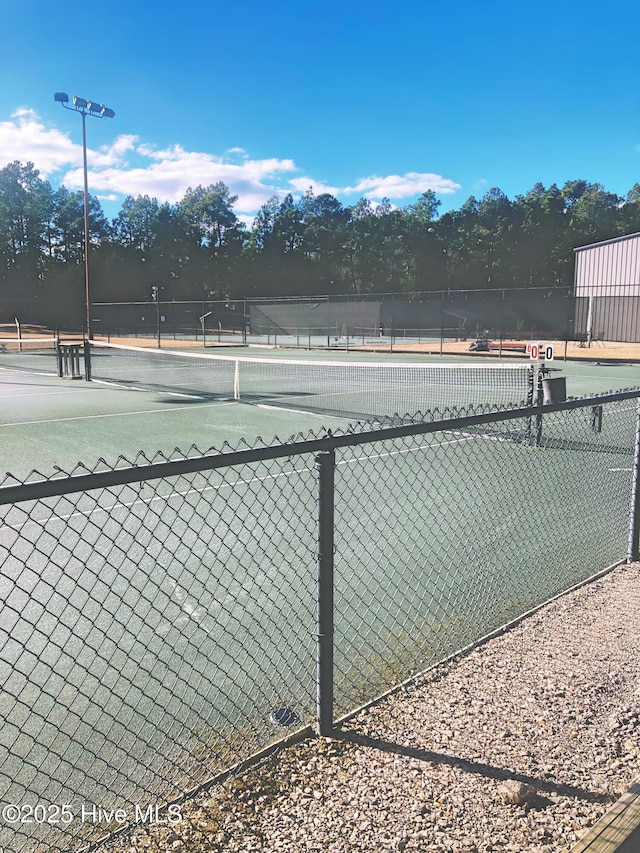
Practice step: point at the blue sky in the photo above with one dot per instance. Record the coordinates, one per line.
(354, 98)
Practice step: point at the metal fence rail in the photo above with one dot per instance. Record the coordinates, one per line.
(161, 622)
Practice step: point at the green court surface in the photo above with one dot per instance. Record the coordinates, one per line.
(170, 619)
(46, 421)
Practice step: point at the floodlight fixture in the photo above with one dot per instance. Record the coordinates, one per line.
(85, 108)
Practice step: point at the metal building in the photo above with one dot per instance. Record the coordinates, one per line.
(607, 290)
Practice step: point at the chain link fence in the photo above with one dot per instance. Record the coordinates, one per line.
(164, 619)
(349, 321)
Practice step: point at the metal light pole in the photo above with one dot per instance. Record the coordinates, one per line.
(155, 295)
(85, 108)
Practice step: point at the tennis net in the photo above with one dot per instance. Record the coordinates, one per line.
(350, 389)
(34, 355)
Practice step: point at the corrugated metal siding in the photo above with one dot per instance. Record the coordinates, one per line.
(611, 268)
(616, 318)
(580, 319)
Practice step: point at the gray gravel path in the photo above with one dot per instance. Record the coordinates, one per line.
(519, 746)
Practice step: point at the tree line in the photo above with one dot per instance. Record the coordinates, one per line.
(199, 249)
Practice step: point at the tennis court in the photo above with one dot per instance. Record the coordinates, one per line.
(46, 422)
(154, 627)
(146, 404)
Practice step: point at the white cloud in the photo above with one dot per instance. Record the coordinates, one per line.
(129, 166)
(117, 152)
(301, 185)
(169, 173)
(402, 186)
(25, 138)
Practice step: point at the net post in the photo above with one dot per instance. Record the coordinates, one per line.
(531, 386)
(633, 550)
(325, 465)
(539, 401)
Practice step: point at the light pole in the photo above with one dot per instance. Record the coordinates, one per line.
(155, 295)
(85, 108)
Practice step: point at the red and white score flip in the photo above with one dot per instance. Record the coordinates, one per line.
(540, 351)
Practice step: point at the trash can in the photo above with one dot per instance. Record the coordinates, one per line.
(554, 389)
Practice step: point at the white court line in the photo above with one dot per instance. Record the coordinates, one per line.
(301, 411)
(225, 485)
(55, 393)
(77, 513)
(112, 415)
(29, 372)
(403, 451)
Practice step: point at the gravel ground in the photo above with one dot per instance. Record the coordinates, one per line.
(519, 746)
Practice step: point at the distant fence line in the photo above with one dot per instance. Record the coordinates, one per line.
(164, 621)
(522, 314)
(596, 314)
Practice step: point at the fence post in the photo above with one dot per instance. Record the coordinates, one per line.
(59, 364)
(325, 465)
(87, 360)
(633, 551)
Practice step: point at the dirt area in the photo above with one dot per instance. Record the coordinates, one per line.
(597, 351)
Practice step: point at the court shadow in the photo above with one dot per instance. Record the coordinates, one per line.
(186, 401)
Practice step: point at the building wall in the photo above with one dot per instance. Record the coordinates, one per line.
(607, 290)
(611, 268)
(616, 318)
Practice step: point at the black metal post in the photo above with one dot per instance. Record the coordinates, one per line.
(540, 399)
(633, 551)
(245, 322)
(325, 465)
(87, 290)
(158, 317)
(85, 108)
(87, 361)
